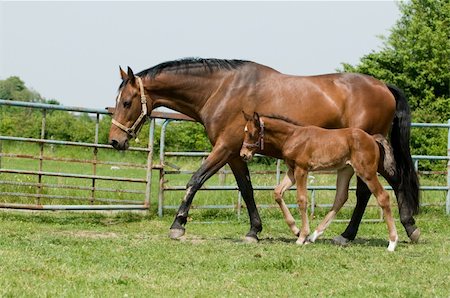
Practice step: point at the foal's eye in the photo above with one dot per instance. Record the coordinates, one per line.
(127, 104)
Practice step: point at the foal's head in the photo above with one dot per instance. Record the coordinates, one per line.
(253, 136)
(130, 111)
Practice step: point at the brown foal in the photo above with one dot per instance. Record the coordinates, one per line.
(311, 148)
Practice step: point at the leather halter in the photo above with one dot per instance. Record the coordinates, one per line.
(134, 129)
(260, 143)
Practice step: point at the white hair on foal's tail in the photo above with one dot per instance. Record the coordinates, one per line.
(389, 161)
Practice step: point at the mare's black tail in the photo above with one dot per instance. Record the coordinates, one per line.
(400, 136)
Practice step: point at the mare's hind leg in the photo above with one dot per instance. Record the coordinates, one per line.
(287, 182)
(383, 200)
(342, 184)
(302, 201)
(406, 217)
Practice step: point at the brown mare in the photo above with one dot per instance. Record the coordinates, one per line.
(311, 148)
(214, 92)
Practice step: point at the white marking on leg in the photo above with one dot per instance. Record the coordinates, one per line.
(392, 244)
(188, 191)
(313, 237)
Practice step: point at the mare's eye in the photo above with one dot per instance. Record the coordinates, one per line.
(127, 104)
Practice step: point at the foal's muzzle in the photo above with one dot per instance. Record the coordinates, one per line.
(246, 155)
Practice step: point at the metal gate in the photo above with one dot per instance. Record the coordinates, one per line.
(115, 183)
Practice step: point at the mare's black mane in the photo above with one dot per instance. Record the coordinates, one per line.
(199, 65)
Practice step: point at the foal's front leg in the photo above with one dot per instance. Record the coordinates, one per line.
(287, 182)
(342, 184)
(302, 201)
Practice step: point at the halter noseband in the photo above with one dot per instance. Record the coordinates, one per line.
(132, 130)
(260, 143)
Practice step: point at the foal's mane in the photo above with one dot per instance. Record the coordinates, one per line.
(193, 65)
(282, 118)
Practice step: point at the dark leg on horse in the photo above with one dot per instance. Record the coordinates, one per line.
(212, 164)
(406, 214)
(362, 198)
(242, 175)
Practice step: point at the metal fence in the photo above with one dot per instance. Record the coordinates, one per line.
(97, 197)
(86, 188)
(313, 189)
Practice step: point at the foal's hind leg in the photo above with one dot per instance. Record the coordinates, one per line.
(383, 200)
(287, 182)
(302, 201)
(342, 184)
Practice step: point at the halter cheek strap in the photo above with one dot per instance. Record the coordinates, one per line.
(134, 129)
(260, 143)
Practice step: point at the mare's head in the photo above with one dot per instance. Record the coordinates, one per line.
(130, 112)
(253, 136)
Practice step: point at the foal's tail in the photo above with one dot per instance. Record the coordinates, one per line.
(400, 135)
(388, 156)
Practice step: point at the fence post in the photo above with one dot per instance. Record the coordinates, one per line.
(94, 163)
(447, 205)
(162, 145)
(148, 185)
(41, 156)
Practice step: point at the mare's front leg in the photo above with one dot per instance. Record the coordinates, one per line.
(302, 201)
(287, 182)
(216, 159)
(342, 184)
(242, 175)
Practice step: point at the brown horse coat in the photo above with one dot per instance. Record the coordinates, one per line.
(214, 92)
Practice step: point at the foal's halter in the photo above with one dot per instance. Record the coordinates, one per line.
(260, 143)
(134, 129)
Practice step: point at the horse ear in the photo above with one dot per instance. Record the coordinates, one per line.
(131, 75)
(256, 117)
(246, 116)
(123, 74)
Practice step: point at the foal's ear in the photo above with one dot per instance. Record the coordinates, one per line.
(256, 117)
(246, 116)
(131, 75)
(123, 74)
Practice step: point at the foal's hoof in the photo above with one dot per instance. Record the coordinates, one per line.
(340, 240)
(176, 234)
(251, 239)
(415, 236)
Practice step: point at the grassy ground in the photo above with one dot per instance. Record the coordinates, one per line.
(129, 255)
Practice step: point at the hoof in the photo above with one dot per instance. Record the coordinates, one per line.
(313, 237)
(392, 245)
(250, 239)
(176, 234)
(301, 241)
(340, 240)
(415, 236)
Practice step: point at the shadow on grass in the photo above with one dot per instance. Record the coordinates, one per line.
(66, 218)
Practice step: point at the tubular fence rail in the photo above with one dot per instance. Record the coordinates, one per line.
(32, 181)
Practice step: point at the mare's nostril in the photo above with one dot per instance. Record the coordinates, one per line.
(114, 143)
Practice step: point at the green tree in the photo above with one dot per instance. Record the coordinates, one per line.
(416, 58)
(13, 88)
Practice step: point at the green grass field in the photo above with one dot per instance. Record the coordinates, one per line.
(48, 254)
(129, 255)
